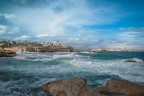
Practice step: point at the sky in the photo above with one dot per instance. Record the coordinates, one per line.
(79, 23)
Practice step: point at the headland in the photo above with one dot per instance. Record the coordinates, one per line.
(34, 46)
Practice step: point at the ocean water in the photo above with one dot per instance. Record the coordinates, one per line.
(24, 74)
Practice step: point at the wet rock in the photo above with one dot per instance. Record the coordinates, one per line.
(120, 88)
(125, 87)
(130, 60)
(79, 87)
(70, 87)
(7, 54)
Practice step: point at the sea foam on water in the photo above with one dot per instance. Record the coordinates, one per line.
(25, 73)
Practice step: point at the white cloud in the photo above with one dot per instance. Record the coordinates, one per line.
(8, 30)
(131, 32)
(14, 30)
(8, 16)
(130, 37)
(132, 29)
(24, 37)
(43, 35)
(66, 23)
(3, 29)
(74, 39)
(73, 14)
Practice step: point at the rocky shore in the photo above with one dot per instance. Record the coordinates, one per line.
(79, 87)
(7, 54)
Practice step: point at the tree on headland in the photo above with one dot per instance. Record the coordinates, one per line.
(14, 42)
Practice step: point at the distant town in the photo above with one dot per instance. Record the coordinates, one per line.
(115, 49)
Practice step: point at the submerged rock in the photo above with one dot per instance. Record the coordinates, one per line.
(79, 87)
(7, 54)
(130, 60)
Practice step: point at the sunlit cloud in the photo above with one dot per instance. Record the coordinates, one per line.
(131, 37)
(24, 37)
(3, 29)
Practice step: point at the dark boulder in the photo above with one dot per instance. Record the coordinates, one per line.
(120, 88)
(79, 87)
(7, 54)
(130, 60)
(70, 87)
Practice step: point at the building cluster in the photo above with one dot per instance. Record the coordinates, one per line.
(34, 46)
(115, 49)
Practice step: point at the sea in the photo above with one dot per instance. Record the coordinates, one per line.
(24, 74)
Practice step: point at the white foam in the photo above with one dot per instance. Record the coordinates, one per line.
(87, 52)
(42, 81)
(132, 72)
(137, 60)
(44, 56)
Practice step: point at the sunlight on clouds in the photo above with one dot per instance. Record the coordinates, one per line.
(74, 39)
(7, 30)
(24, 37)
(43, 35)
(3, 29)
(7, 16)
(14, 30)
(131, 37)
(131, 32)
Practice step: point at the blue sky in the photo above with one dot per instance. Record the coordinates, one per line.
(80, 23)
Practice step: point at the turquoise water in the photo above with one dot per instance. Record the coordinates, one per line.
(24, 74)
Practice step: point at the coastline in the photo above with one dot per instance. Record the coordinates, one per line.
(37, 68)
